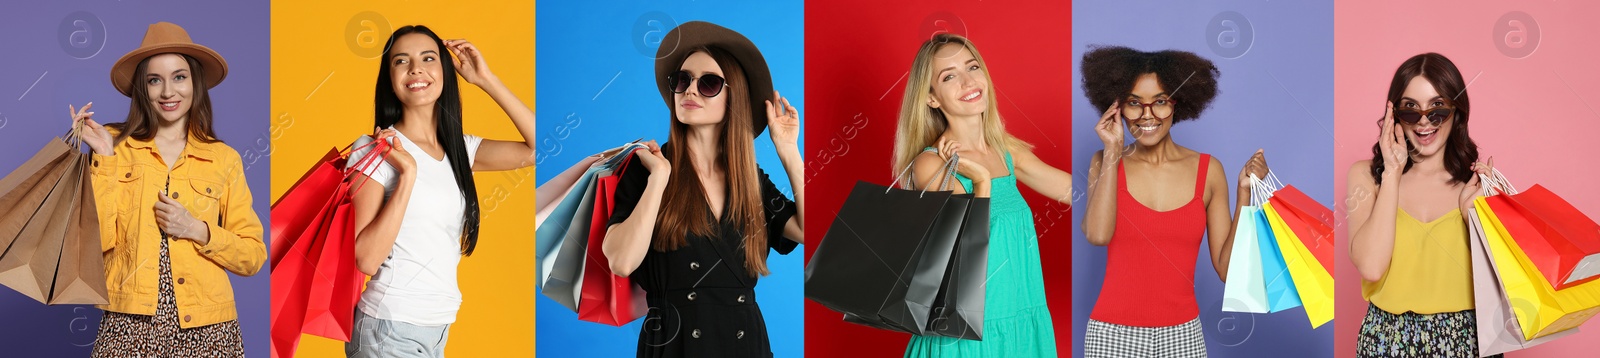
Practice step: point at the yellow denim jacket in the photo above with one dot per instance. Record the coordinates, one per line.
(209, 181)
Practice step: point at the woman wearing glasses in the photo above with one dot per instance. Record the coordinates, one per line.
(949, 109)
(694, 228)
(1412, 249)
(1151, 202)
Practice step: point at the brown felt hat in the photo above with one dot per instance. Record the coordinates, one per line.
(682, 40)
(166, 37)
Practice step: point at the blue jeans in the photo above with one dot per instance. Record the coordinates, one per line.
(373, 337)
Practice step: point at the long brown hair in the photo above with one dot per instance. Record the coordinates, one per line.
(142, 115)
(1459, 150)
(690, 213)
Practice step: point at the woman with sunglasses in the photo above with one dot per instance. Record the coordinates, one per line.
(694, 228)
(1411, 248)
(950, 109)
(1151, 202)
(421, 216)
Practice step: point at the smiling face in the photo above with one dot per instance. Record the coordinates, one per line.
(1147, 97)
(691, 107)
(169, 82)
(960, 83)
(416, 69)
(1426, 138)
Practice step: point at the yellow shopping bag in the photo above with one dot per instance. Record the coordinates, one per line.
(1541, 310)
(1311, 280)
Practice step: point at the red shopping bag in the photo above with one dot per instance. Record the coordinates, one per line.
(313, 270)
(337, 282)
(291, 283)
(1310, 221)
(1562, 242)
(313, 190)
(607, 298)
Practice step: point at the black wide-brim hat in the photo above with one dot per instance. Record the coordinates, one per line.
(684, 39)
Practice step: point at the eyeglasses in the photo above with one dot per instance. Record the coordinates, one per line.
(1161, 108)
(1412, 116)
(710, 85)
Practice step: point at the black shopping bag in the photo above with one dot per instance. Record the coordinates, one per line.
(958, 309)
(883, 262)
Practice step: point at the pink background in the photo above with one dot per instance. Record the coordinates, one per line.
(1537, 115)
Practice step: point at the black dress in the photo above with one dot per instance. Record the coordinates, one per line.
(702, 301)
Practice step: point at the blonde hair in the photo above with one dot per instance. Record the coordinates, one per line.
(921, 125)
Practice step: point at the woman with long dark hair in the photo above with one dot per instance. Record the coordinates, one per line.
(1152, 201)
(175, 215)
(1408, 237)
(694, 228)
(413, 227)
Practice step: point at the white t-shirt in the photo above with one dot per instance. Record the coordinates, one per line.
(417, 283)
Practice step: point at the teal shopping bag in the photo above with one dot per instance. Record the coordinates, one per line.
(1281, 294)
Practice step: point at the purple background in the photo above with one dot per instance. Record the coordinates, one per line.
(30, 117)
(1276, 96)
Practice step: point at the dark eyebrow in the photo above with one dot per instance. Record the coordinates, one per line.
(1162, 94)
(1414, 100)
(430, 51)
(181, 70)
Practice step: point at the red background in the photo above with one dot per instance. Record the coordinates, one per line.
(857, 55)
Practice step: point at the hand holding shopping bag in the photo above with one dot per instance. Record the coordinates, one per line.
(1246, 288)
(1540, 308)
(1498, 330)
(50, 245)
(883, 261)
(563, 235)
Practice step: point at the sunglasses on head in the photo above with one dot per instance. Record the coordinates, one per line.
(1412, 116)
(710, 85)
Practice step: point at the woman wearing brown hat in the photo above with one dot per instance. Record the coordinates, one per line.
(694, 231)
(421, 217)
(174, 207)
(949, 109)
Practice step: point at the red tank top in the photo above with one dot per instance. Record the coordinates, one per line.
(1150, 260)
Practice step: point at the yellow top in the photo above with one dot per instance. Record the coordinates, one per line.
(1430, 270)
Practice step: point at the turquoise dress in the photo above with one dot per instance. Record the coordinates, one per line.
(1016, 319)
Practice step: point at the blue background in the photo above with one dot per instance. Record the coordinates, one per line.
(597, 90)
(32, 113)
(1278, 96)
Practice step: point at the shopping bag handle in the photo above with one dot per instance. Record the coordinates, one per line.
(1261, 189)
(620, 154)
(378, 155)
(1495, 181)
(949, 168)
(608, 154)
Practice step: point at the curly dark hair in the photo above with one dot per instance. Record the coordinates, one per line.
(1459, 149)
(1109, 73)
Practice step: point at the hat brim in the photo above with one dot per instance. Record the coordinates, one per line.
(682, 40)
(122, 72)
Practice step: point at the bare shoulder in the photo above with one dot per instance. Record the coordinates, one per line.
(1360, 174)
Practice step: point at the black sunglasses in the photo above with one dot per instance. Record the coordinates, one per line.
(710, 85)
(1412, 116)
